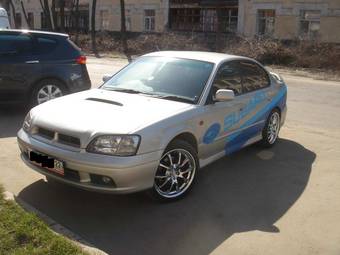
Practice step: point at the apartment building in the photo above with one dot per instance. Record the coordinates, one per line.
(281, 19)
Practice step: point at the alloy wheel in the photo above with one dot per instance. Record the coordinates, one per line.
(48, 92)
(175, 173)
(273, 127)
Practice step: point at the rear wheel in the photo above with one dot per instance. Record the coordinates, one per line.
(176, 172)
(271, 130)
(47, 90)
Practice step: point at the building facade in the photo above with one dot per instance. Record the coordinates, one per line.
(281, 19)
(289, 19)
(141, 15)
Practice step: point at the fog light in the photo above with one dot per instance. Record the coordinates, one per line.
(102, 180)
(106, 179)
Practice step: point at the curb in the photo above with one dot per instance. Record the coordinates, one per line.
(56, 227)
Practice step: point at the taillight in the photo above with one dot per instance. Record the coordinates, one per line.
(81, 60)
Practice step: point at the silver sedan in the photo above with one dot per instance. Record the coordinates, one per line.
(152, 125)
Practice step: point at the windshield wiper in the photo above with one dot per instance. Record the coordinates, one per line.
(131, 91)
(178, 98)
(168, 97)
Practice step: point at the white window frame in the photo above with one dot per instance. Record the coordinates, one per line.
(104, 21)
(310, 33)
(149, 21)
(266, 19)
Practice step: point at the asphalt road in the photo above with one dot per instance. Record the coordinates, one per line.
(285, 200)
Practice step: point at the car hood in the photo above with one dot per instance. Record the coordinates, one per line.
(99, 111)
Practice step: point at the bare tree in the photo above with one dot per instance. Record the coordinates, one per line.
(123, 30)
(54, 15)
(93, 27)
(10, 3)
(77, 22)
(62, 15)
(46, 10)
(25, 14)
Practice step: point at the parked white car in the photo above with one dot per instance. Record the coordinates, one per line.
(4, 22)
(155, 123)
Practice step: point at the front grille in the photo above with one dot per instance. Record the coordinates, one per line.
(59, 138)
(69, 140)
(48, 134)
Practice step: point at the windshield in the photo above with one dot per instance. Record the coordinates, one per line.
(168, 78)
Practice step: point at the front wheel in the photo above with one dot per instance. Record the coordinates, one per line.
(271, 130)
(176, 172)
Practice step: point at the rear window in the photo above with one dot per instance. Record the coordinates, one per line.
(73, 45)
(46, 45)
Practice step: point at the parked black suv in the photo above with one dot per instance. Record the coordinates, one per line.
(38, 66)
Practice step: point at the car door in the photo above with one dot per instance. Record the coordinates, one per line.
(18, 66)
(221, 118)
(252, 116)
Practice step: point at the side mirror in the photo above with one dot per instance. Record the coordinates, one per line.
(106, 77)
(223, 95)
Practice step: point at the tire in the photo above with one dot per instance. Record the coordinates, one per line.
(271, 129)
(173, 180)
(52, 88)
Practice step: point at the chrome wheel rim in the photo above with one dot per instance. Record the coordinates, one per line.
(175, 173)
(48, 92)
(273, 127)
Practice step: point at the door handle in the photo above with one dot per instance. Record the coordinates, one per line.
(32, 62)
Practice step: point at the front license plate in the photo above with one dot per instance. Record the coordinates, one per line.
(47, 162)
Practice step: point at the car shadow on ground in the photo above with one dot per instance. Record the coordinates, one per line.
(249, 190)
(11, 119)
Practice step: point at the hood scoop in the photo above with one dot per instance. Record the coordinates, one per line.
(104, 101)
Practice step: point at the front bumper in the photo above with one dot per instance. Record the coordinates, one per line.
(129, 174)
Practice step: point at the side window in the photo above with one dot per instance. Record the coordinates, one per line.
(18, 44)
(6, 44)
(228, 77)
(46, 45)
(253, 77)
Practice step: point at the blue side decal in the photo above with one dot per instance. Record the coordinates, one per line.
(211, 133)
(238, 139)
(235, 117)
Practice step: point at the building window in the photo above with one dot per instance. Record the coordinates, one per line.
(204, 19)
(30, 19)
(149, 20)
(266, 22)
(310, 23)
(104, 20)
(18, 20)
(128, 20)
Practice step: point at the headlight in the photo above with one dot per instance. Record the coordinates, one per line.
(27, 122)
(116, 145)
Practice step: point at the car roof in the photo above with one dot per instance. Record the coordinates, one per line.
(212, 57)
(34, 32)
